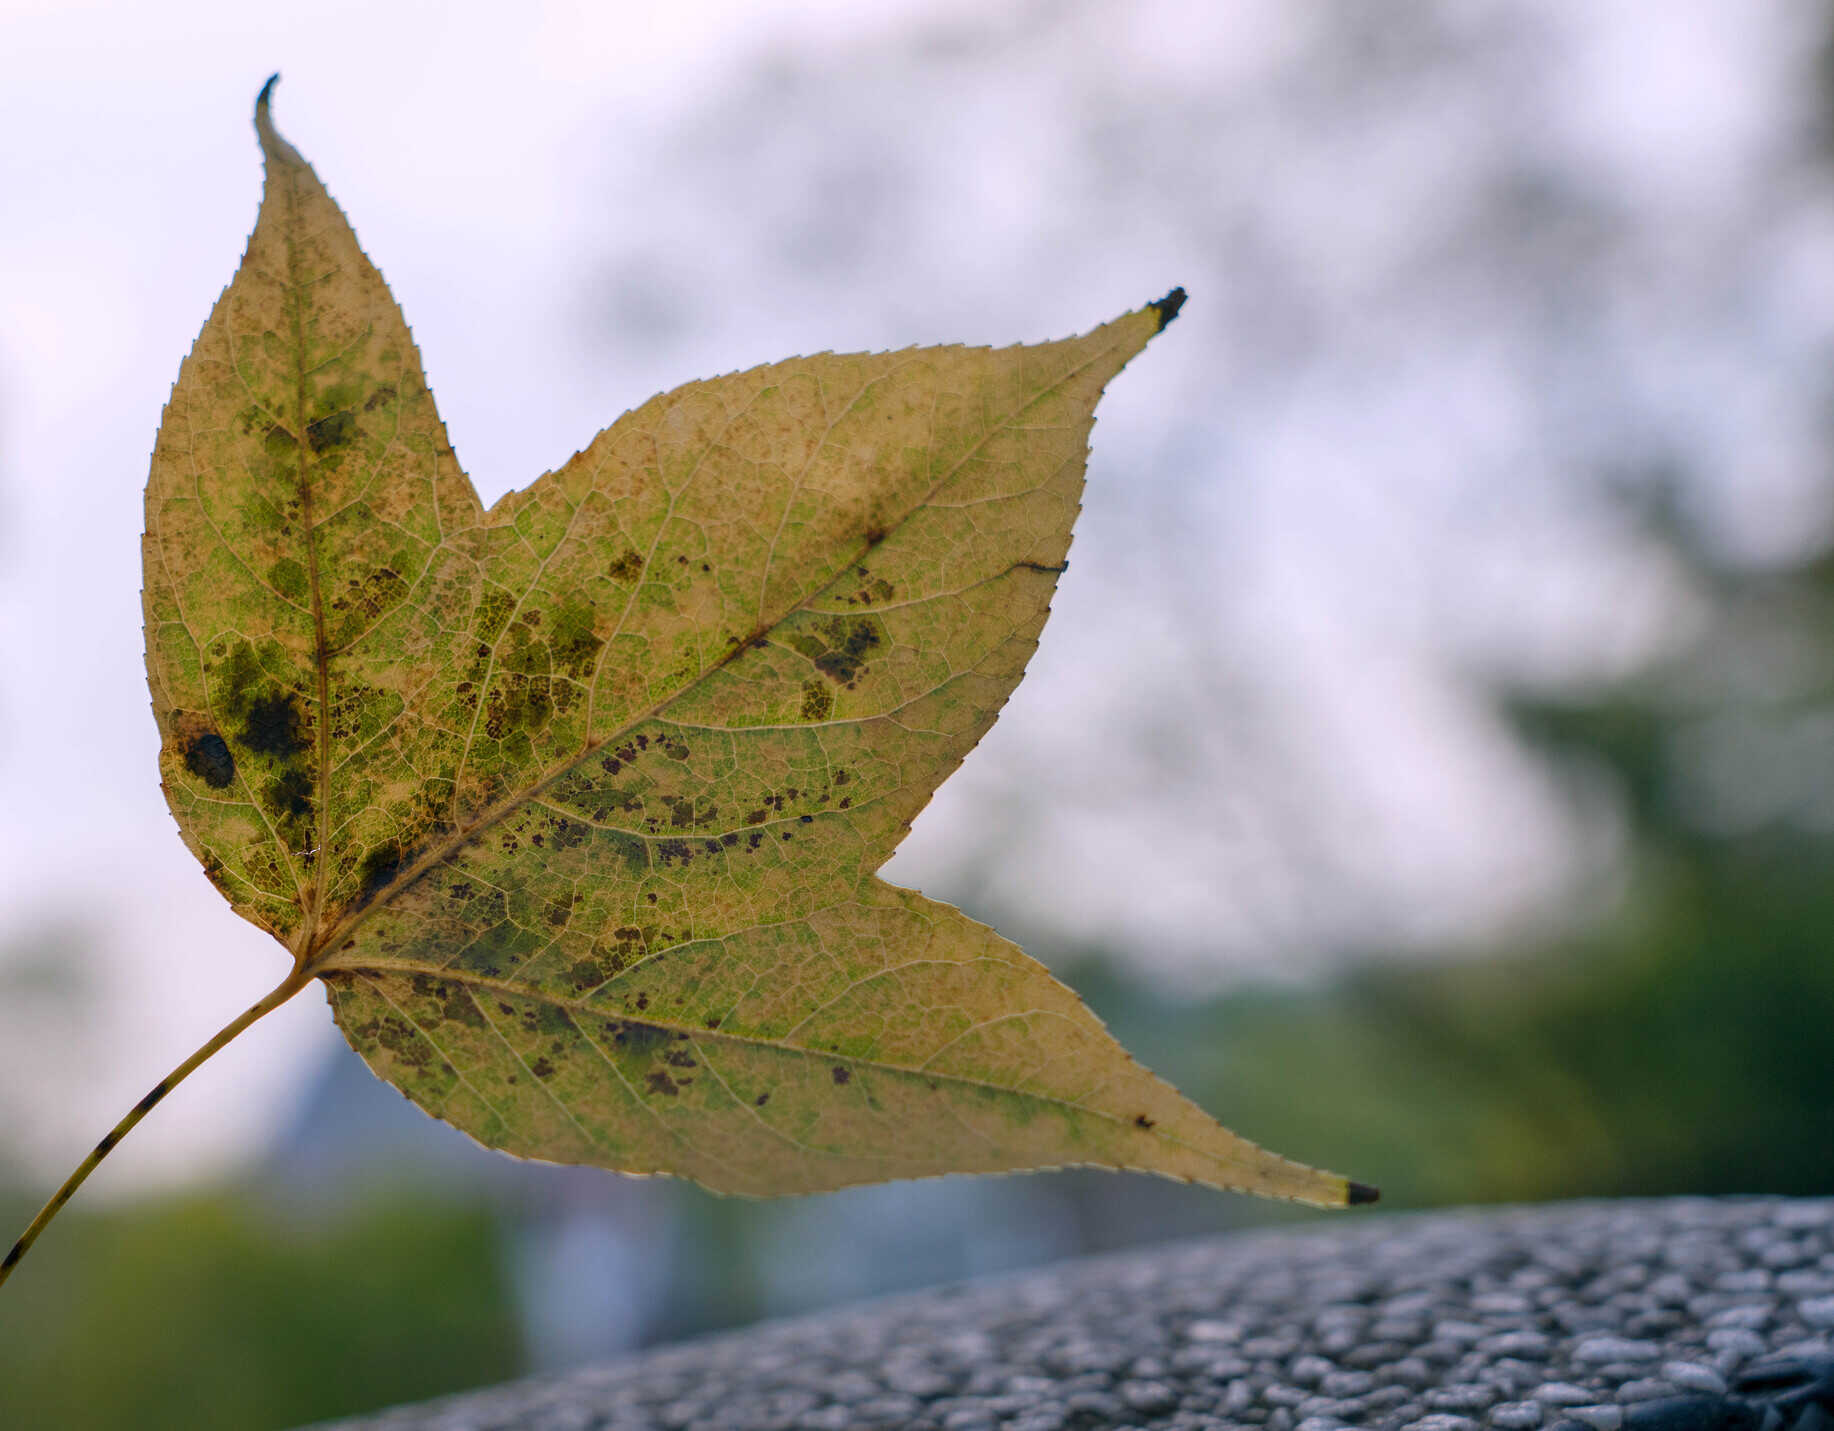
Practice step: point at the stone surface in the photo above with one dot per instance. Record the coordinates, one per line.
(1454, 1321)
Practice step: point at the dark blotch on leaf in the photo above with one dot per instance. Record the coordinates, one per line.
(660, 1082)
(272, 726)
(761, 1100)
(208, 758)
(586, 973)
(379, 866)
(1142, 1121)
(842, 1074)
(290, 796)
(573, 641)
(642, 1040)
(633, 852)
(849, 642)
(333, 431)
(1361, 1193)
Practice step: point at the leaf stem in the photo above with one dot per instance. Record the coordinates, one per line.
(277, 996)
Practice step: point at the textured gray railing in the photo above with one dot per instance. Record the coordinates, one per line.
(1451, 1321)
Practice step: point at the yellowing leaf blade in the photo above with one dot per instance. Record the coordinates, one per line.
(301, 488)
(894, 1038)
(576, 804)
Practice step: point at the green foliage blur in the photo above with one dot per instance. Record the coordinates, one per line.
(1682, 1045)
(200, 1312)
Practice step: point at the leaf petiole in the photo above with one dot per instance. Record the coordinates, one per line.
(277, 996)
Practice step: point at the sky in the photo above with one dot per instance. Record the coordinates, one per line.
(1446, 270)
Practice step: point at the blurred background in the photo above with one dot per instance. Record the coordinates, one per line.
(1430, 765)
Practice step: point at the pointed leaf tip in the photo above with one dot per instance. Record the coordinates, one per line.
(272, 145)
(1167, 307)
(1359, 1194)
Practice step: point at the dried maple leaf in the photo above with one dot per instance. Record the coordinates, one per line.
(574, 804)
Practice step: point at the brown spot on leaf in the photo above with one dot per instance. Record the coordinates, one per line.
(817, 701)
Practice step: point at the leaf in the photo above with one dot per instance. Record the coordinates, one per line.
(575, 804)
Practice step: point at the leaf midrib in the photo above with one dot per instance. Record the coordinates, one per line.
(470, 981)
(319, 952)
(321, 656)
